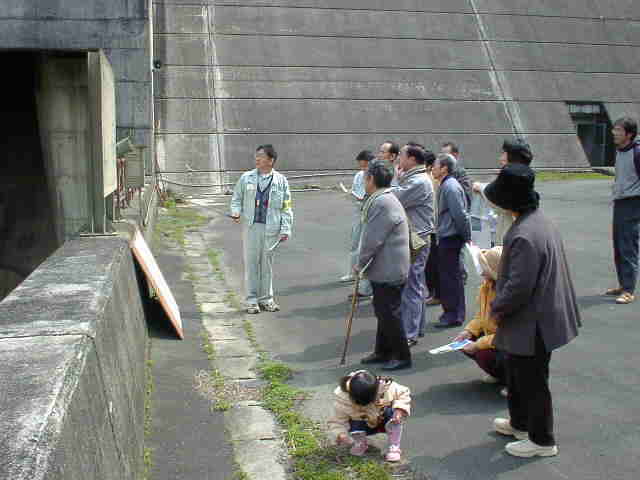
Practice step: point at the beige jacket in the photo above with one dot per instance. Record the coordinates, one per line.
(390, 394)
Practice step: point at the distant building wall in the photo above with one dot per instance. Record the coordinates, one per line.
(322, 79)
(120, 27)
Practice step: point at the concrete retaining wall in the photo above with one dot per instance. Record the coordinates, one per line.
(72, 367)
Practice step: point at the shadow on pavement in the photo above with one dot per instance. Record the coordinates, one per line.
(461, 398)
(487, 460)
(359, 344)
(302, 289)
(588, 301)
(158, 322)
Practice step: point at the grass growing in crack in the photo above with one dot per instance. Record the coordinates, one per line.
(232, 300)
(214, 259)
(251, 335)
(313, 457)
(563, 176)
(148, 419)
(177, 221)
(215, 380)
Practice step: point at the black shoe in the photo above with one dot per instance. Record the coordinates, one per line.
(373, 358)
(412, 342)
(396, 365)
(421, 335)
(447, 325)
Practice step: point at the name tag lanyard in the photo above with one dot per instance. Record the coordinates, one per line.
(261, 192)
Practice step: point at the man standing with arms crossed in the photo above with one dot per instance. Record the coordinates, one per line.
(415, 192)
(626, 209)
(262, 202)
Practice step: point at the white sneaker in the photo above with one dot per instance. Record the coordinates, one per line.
(503, 426)
(527, 449)
(504, 392)
(489, 379)
(347, 279)
(253, 309)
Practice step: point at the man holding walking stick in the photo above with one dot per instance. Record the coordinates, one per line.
(385, 249)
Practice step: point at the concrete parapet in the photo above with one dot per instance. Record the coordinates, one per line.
(72, 364)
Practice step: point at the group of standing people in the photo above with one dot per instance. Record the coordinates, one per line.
(412, 203)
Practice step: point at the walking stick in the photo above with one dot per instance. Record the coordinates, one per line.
(354, 306)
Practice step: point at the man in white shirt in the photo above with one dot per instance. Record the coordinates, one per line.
(357, 195)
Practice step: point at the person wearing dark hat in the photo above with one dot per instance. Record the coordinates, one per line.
(513, 151)
(535, 309)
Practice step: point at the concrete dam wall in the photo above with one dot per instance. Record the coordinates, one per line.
(322, 79)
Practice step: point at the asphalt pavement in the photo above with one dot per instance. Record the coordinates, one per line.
(187, 437)
(594, 380)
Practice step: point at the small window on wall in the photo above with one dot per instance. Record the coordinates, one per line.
(593, 128)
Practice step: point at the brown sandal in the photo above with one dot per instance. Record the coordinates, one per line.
(614, 292)
(625, 298)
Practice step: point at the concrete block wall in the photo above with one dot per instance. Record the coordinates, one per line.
(120, 27)
(322, 79)
(72, 367)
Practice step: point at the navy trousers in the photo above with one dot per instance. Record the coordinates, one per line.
(626, 237)
(451, 282)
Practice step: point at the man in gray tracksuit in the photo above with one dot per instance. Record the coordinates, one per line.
(415, 192)
(262, 203)
(626, 209)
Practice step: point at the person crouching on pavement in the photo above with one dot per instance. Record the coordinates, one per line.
(262, 202)
(384, 250)
(481, 330)
(366, 405)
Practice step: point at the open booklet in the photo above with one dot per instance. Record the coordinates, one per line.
(346, 190)
(450, 347)
(472, 252)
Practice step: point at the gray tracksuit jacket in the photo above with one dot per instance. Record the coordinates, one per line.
(627, 184)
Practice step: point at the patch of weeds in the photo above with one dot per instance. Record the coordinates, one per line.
(274, 371)
(240, 475)
(214, 260)
(313, 458)
(148, 419)
(177, 221)
(148, 462)
(213, 383)
(251, 334)
(232, 300)
(566, 176)
(219, 390)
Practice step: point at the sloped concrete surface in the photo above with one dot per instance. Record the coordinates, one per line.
(72, 350)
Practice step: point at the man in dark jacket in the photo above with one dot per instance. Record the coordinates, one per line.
(535, 308)
(453, 231)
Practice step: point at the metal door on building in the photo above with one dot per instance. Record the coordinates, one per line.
(593, 137)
